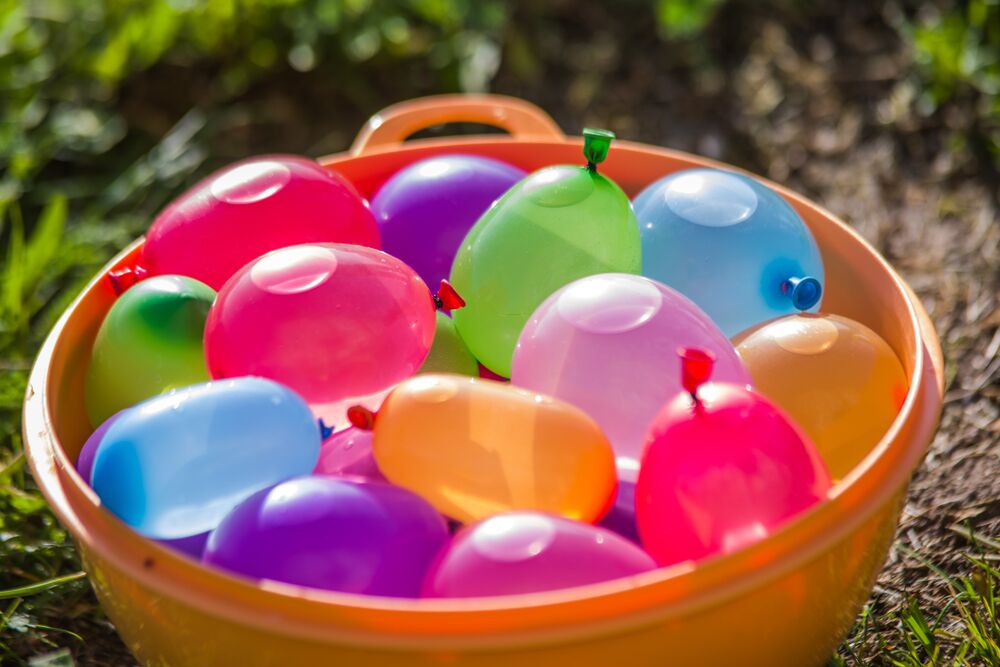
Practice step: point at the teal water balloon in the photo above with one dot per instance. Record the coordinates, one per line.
(149, 342)
(173, 466)
(558, 224)
(731, 244)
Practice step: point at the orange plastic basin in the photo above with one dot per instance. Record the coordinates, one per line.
(787, 600)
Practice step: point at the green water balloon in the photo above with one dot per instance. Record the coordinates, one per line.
(150, 342)
(449, 353)
(556, 225)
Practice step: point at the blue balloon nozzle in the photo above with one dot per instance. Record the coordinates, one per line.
(805, 292)
(324, 430)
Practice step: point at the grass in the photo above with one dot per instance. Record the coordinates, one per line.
(102, 125)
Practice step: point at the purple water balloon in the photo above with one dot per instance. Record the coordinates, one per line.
(193, 546)
(425, 210)
(333, 533)
(349, 452)
(85, 460)
(526, 552)
(621, 517)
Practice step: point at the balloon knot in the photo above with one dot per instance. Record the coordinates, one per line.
(696, 368)
(361, 417)
(447, 298)
(595, 146)
(805, 292)
(124, 278)
(324, 430)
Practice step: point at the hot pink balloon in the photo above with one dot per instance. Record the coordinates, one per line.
(339, 324)
(608, 344)
(349, 452)
(526, 552)
(247, 209)
(723, 468)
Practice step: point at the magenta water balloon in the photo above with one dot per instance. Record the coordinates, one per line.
(425, 210)
(85, 460)
(349, 452)
(332, 533)
(528, 552)
(608, 344)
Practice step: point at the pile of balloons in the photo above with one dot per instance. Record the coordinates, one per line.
(482, 383)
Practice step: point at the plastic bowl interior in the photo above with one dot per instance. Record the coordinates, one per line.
(787, 600)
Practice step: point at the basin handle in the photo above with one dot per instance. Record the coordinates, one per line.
(395, 123)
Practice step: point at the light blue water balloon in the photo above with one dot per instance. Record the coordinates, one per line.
(174, 465)
(730, 244)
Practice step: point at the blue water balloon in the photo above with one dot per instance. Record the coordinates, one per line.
(173, 466)
(730, 244)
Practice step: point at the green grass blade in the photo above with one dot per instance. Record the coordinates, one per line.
(40, 587)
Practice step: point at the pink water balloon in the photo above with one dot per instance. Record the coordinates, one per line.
(527, 552)
(247, 209)
(349, 453)
(607, 343)
(339, 324)
(723, 468)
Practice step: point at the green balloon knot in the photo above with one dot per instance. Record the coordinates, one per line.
(595, 146)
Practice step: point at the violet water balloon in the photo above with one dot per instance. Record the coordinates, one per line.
(331, 533)
(527, 552)
(85, 460)
(425, 210)
(608, 344)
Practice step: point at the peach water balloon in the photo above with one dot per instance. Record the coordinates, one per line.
(149, 342)
(835, 377)
(607, 344)
(730, 244)
(425, 209)
(474, 448)
(337, 323)
(558, 224)
(334, 534)
(173, 466)
(723, 468)
(247, 209)
(527, 552)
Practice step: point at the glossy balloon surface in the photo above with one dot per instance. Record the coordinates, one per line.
(475, 448)
(174, 465)
(349, 452)
(730, 244)
(85, 460)
(149, 342)
(339, 324)
(448, 353)
(193, 546)
(835, 377)
(621, 517)
(334, 534)
(556, 225)
(425, 209)
(250, 208)
(527, 552)
(722, 475)
(608, 345)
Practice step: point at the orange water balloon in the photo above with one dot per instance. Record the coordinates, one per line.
(835, 377)
(474, 448)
